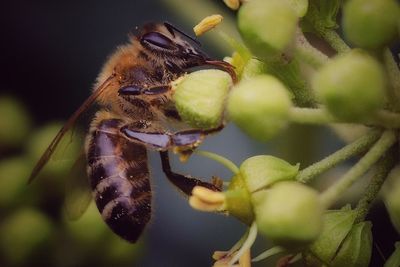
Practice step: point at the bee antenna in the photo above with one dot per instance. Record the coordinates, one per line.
(172, 29)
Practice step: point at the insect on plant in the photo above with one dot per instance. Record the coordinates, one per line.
(135, 95)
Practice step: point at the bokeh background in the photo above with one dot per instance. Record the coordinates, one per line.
(51, 52)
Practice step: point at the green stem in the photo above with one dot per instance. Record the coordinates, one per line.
(334, 40)
(220, 159)
(383, 168)
(387, 139)
(355, 148)
(290, 74)
(311, 116)
(393, 72)
(384, 118)
(308, 53)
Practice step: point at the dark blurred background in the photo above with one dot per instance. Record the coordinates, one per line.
(51, 54)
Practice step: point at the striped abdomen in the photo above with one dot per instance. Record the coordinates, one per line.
(119, 177)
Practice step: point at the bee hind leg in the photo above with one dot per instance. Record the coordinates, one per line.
(185, 183)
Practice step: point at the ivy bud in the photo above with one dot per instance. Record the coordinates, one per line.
(267, 27)
(336, 225)
(356, 248)
(351, 85)
(200, 97)
(14, 122)
(394, 259)
(370, 23)
(391, 197)
(88, 230)
(289, 213)
(24, 233)
(13, 177)
(260, 106)
(299, 6)
(261, 171)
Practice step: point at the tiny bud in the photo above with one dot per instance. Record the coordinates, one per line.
(391, 197)
(289, 213)
(14, 122)
(299, 6)
(370, 23)
(24, 233)
(261, 171)
(356, 248)
(207, 24)
(232, 4)
(200, 97)
(267, 27)
(336, 225)
(260, 106)
(394, 259)
(252, 68)
(351, 85)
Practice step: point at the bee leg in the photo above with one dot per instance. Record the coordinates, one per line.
(133, 90)
(185, 183)
(185, 141)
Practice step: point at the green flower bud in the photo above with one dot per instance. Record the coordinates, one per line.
(14, 173)
(370, 23)
(267, 27)
(351, 85)
(89, 229)
(299, 6)
(260, 106)
(394, 259)
(253, 68)
(200, 97)
(237, 199)
(391, 197)
(336, 225)
(356, 248)
(121, 253)
(24, 233)
(261, 171)
(289, 213)
(14, 122)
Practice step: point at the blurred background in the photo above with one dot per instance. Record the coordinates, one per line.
(51, 54)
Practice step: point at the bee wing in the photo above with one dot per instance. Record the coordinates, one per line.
(68, 127)
(78, 193)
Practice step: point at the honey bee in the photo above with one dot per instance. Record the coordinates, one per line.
(135, 95)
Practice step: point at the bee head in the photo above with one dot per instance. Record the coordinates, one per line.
(170, 43)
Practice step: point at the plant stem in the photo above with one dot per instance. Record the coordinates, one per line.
(382, 118)
(387, 139)
(308, 53)
(383, 168)
(220, 159)
(356, 147)
(311, 116)
(334, 40)
(393, 72)
(385, 118)
(290, 74)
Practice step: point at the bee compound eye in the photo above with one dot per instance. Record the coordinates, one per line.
(157, 40)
